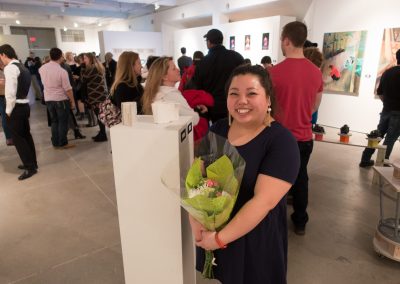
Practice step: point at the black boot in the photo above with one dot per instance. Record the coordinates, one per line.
(78, 134)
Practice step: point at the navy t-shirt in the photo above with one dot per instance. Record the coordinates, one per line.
(259, 257)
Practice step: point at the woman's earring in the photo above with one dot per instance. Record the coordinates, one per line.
(229, 119)
(267, 120)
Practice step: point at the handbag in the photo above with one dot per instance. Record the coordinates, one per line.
(109, 114)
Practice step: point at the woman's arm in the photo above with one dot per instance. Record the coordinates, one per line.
(267, 194)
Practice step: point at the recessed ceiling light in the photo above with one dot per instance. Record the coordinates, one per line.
(18, 22)
(75, 25)
(156, 6)
(99, 24)
(65, 29)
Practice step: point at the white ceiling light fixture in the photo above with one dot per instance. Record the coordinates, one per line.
(17, 22)
(65, 29)
(76, 25)
(99, 24)
(156, 6)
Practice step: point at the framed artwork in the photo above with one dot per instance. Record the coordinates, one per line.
(247, 42)
(232, 43)
(344, 55)
(390, 44)
(265, 41)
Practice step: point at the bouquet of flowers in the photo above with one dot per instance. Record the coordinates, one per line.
(211, 186)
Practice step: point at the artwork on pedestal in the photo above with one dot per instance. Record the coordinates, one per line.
(387, 59)
(247, 42)
(232, 43)
(265, 41)
(344, 55)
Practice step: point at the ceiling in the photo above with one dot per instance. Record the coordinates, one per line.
(83, 12)
(86, 13)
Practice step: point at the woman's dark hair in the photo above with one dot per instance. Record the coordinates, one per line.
(263, 77)
(8, 51)
(150, 61)
(197, 57)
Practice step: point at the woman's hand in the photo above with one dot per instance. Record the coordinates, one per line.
(197, 228)
(208, 241)
(202, 108)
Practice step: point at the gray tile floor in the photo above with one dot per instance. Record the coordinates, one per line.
(61, 225)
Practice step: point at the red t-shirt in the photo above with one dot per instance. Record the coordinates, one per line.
(296, 82)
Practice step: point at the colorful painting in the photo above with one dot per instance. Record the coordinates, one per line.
(390, 44)
(265, 41)
(232, 43)
(247, 42)
(344, 55)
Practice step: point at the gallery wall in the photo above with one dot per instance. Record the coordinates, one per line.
(145, 43)
(193, 39)
(18, 42)
(360, 112)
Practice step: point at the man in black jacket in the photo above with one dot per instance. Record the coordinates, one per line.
(184, 61)
(214, 70)
(110, 66)
(389, 123)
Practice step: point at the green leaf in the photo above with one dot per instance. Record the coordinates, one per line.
(222, 171)
(194, 175)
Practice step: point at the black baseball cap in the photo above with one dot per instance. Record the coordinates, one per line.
(214, 36)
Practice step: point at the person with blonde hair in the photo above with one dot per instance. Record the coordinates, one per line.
(160, 86)
(96, 88)
(127, 87)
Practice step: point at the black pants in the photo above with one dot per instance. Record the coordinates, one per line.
(300, 187)
(18, 123)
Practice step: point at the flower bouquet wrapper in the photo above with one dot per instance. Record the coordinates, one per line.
(210, 188)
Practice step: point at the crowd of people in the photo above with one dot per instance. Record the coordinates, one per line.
(265, 111)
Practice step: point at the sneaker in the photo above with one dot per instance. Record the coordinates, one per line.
(365, 164)
(300, 230)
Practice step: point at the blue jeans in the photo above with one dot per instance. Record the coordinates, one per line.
(389, 125)
(59, 112)
(3, 117)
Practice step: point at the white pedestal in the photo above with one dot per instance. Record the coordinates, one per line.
(157, 244)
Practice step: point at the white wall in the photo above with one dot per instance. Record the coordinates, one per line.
(90, 44)
(19, 43)
(193, 39)
(145, 41)
(360, 113)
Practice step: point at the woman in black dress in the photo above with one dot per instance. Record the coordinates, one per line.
(256, 235)
(126, 86)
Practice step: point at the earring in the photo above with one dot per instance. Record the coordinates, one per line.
(229, 119)
(267, 120)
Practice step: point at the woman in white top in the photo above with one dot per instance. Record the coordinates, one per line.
(160, 86)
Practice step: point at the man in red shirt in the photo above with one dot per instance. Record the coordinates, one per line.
(298, 87)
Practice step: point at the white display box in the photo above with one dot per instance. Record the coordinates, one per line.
(157, 244)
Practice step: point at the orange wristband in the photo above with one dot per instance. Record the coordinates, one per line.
(219, 243)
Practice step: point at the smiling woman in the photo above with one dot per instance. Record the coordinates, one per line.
(252, 247)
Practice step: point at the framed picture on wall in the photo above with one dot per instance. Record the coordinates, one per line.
(247, 42)
(344, 57)
(232, 43)
(390, 44)
(265, 41)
